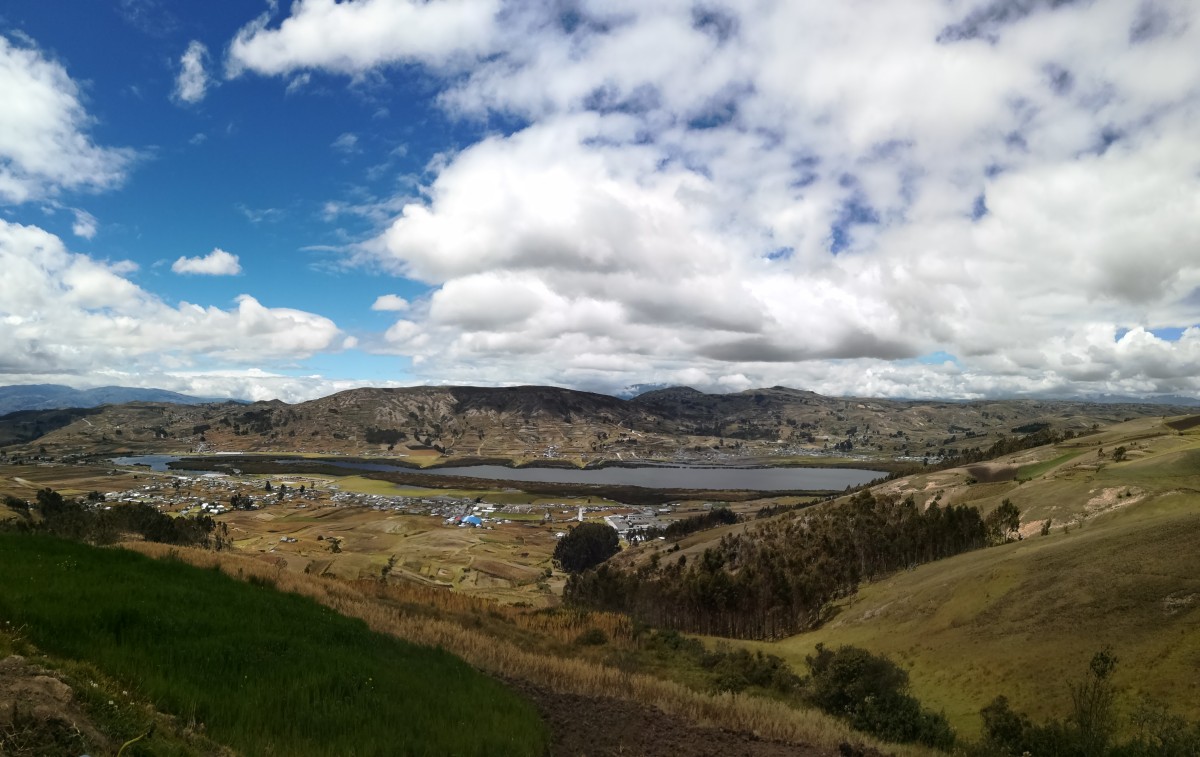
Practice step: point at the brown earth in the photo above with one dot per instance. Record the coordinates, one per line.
(1185, 424)
(990, 473)
(603, 727)
(39, 714)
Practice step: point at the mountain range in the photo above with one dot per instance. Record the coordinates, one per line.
(525, 423)
(57, 396)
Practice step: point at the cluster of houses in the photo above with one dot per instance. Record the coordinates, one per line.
(214, 494)
(632, 527)
(198, 495)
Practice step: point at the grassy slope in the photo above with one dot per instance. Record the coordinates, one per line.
(266, 672)
(1024, 619)
(108, 714)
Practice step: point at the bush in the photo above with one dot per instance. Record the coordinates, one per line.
(871, 693)
(1160, 733)
(1089, 731)
(593, 637)
(1007, 732)
(738, 670)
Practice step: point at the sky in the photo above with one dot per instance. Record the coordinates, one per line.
(930, 198)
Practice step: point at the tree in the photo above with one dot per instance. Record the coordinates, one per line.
(1094, 698)
(1119, 454)
(586, 546)
(1003, 521)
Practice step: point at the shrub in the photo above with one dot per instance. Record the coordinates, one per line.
(1089, 731)
(738, 670)
(871, 692)
(593, 637)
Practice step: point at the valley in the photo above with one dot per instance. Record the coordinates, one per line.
(1101, 557)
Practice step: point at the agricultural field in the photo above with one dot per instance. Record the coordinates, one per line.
(23, 481)
(331, 530)
(507, 561)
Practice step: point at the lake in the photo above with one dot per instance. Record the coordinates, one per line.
(153, 462)
(649, 477)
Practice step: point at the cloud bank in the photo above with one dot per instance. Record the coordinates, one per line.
(925, 199)
(63, 313)
(825, 195)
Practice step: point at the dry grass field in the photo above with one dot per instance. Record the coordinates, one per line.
(506, 562)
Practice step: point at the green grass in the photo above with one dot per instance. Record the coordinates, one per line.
(106, 704)
(1024, 619)
(265, 672)
(1034, 470)
(531, 517)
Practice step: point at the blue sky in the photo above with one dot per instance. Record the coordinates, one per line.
(249, 169)
(948, 199)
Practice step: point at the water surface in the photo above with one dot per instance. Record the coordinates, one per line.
(651, 476)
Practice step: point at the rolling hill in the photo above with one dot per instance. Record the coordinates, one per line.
(1106, 558)
(527, 423)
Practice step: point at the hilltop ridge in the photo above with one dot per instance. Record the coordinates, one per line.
(539, 422)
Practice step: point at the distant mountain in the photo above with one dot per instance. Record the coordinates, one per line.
(57, 396)
(538, 422)
(633, 390)
(1176, 400)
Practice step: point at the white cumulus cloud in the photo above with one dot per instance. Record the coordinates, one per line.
(216, 263)
(191, 84)
(390, 303)
(355, 36)
(44, 146)
(63, 313)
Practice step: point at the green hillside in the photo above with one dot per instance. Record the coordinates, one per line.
(1118, 569)
(264, 672)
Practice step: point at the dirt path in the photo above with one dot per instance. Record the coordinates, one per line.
(603, 727)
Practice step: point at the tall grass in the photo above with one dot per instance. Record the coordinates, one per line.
(265, 672)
